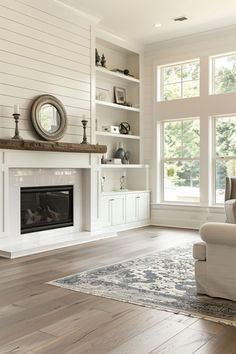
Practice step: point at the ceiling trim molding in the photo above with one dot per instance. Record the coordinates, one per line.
(92, 19)
(204, 35)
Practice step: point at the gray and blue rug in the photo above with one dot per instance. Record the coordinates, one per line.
(164, 280)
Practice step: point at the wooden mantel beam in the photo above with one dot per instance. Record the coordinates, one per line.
(36, 145)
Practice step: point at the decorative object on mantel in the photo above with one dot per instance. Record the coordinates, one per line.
(84, 122)
(125, 72)
(49, 117)
(16, 116)
(34, 145)
(124, 128)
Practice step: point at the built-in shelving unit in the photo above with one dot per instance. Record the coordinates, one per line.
(125, 195)
(108, 112)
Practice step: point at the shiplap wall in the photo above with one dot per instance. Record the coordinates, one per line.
(44, 49)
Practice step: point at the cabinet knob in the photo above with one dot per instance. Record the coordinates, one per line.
(138, 197)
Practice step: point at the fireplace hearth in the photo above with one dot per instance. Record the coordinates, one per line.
(45, 208)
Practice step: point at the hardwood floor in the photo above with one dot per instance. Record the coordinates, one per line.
(39, 318)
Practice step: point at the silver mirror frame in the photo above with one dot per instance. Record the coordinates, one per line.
(37, 104)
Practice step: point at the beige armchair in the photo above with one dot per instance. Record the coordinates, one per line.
(230, 200)
(215, 263)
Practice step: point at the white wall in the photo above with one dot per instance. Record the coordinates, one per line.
(45, 48)
(198, 46)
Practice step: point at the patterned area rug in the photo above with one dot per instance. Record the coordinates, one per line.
(164, 280)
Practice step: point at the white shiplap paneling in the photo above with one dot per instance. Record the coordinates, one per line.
(43, 52)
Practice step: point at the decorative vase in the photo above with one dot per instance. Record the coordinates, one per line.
(120, 152)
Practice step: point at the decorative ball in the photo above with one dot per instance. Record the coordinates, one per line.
(124, 128)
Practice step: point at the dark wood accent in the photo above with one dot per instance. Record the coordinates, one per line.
(39, 318)
(36, 145)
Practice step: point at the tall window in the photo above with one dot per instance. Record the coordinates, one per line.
(224, 152)
(181, 155)
(224, 74)
(179, 80)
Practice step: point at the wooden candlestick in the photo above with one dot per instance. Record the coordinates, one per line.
(17, 134)
(84, 122)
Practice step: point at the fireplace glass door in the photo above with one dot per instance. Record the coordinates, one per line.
(45, 208)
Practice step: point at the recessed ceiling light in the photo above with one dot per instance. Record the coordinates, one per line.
(157, 25)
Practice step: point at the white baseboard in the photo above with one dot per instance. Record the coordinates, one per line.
(185, 216)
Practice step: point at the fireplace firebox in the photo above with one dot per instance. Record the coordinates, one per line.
(45, 208)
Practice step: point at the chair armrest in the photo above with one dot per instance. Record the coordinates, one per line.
(219, 233)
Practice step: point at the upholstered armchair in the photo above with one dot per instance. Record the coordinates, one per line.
(230, 200)
(215, 265)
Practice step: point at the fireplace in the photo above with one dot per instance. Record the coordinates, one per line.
(45, 208)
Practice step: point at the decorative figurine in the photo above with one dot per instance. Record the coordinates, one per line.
(84, 122)
(97, 58)
(103, 61)
(16, 116)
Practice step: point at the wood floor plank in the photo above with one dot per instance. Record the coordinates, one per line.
(187, 342)
(27, 344)
(225, 343)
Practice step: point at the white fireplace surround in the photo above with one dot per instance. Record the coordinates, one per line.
(45, 177)
(33, 168)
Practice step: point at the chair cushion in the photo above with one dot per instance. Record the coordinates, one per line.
(199, 251)
(230, 211)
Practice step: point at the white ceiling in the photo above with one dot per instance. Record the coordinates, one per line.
(135, 19)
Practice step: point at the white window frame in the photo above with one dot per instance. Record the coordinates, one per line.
(215, 157)
(163, 160)
(160, 70)
(212, 72)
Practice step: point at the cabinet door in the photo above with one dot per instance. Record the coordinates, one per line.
(117, 210)
(106, 211)
(143, 206)
(131, 208)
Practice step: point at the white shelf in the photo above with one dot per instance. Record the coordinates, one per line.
(113, 74)
(118, 106)
(127, 191)
(123, 166)
(114, 135)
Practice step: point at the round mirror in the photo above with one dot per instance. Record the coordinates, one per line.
(49, 117)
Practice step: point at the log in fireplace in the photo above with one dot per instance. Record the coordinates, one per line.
(45, 208)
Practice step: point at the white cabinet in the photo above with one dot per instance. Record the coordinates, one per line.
(143, 206)
(125, 208)
(113, 210)
(131, 211)
(137, 207)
